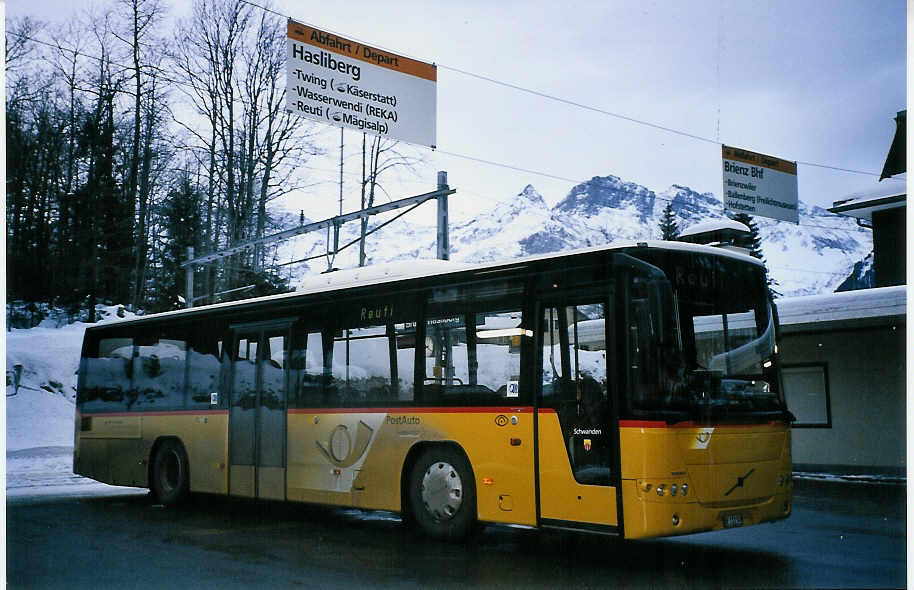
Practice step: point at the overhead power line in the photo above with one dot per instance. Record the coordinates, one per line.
(692, 206)
(488, 79)
(492, 81)
(440, 151)
(580, 105)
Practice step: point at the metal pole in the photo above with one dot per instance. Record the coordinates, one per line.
(189, 279)
(317, 225)
(341, 170)
(444, 247)
(363, 222)
(336, 243)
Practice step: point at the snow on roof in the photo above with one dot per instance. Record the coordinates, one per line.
(351, 277)
(888, 194)
(889, 187)
(375, 275)
(882, 302)
(713, 225)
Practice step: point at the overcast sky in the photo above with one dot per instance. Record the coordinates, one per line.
(811, 81)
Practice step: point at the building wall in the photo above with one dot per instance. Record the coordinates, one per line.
(866, 382)
(889, 247)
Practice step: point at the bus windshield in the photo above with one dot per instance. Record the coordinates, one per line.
(711, 320)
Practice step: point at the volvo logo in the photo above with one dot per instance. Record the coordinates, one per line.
(740, 481)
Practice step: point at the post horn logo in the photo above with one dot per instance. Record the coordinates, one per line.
(702, 439)
(501, 420)
(340, 450)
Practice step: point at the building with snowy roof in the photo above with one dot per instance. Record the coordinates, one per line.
(843, 361)
(882, 209)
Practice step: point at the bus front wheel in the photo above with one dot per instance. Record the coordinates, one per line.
(170, 478)
(442, 494)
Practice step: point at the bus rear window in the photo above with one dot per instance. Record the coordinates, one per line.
(106, 376)
(140, 373)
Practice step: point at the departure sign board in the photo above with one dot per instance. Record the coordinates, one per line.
(759, 185)
(343, 82)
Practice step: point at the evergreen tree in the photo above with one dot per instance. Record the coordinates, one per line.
(183, 226)
(669, 230)
(754, 244)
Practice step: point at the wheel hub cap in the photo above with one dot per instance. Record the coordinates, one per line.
(442, 491)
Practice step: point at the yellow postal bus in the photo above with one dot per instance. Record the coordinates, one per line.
(631, 390)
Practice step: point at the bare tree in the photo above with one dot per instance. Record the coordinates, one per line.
(232, 61)
(383, 156)
(137, 20)
(278, 140)
(66, 60)
(19, 41)
(207, 46)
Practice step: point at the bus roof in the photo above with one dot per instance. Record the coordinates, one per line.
(416, 269)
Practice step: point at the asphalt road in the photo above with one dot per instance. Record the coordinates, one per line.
(840, 535)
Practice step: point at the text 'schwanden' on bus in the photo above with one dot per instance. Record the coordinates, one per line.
(630, 390)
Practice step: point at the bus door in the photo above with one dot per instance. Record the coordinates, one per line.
(257, 415)
(577, 440)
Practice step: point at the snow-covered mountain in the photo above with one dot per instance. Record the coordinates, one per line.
(813, 257)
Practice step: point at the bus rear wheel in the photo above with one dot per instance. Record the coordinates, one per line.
(170, 476)
(442, 494)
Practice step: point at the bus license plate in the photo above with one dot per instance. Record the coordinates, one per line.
(733, 520)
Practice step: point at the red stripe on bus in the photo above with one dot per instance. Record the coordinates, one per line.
(642, 424)
(430, 410)
(158, 413)
(688, 424)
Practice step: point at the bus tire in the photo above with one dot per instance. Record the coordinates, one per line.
(170, 474)
(442, 494)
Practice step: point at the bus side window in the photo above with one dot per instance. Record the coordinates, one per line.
(203, 366)
(373, 364)
(369, 355)
(552, 354)
(158, 370)
(473, 340)
(643, 366)
(273, 373)
(306, 364)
